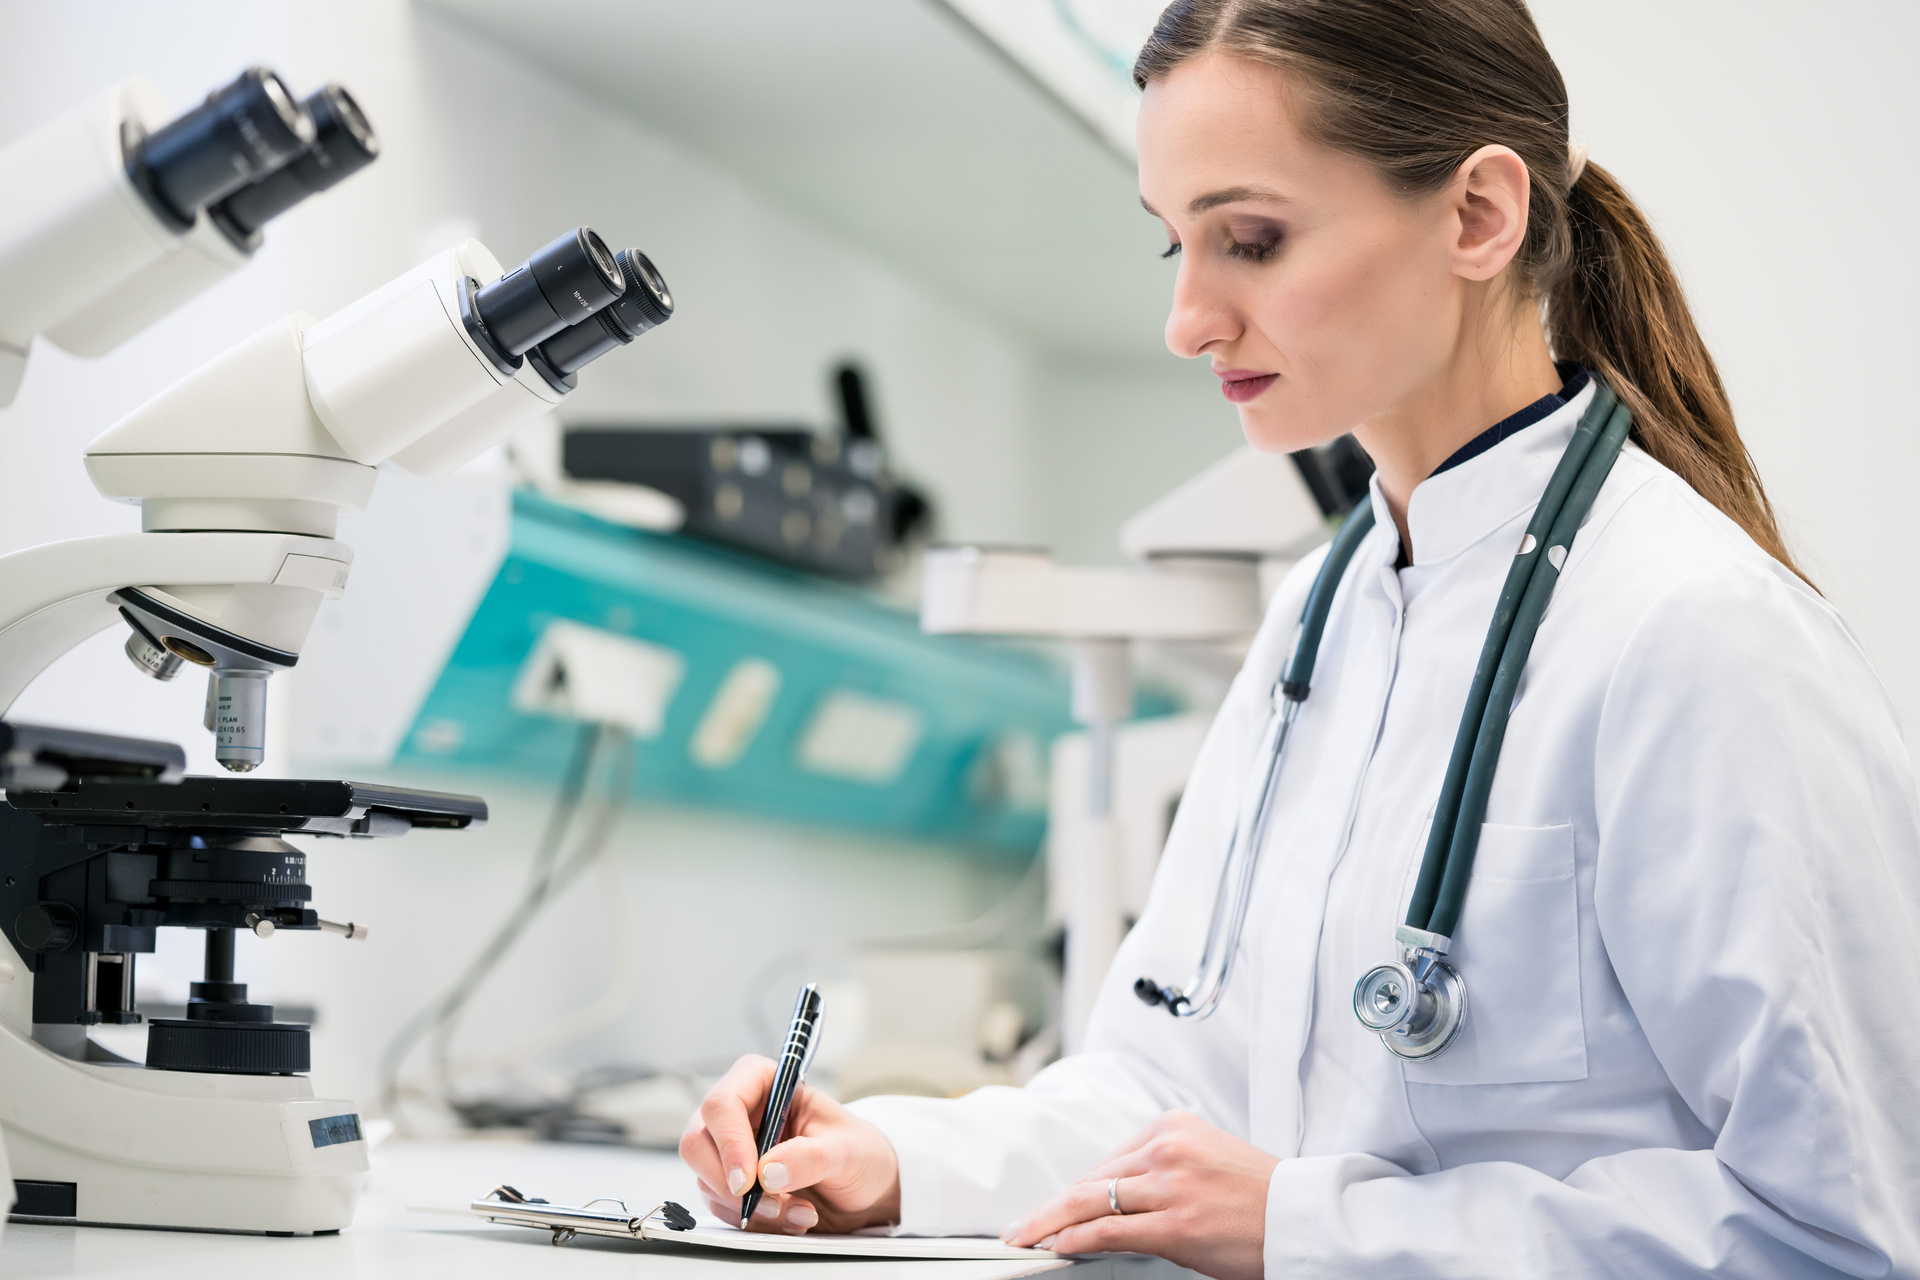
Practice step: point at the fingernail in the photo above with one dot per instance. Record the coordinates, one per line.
(774, 1176)
(736, 1180)
(1012, 1232)
(766, 1209)
(1047, 1243)
(803, 1215)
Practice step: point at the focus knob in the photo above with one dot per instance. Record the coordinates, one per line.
(47, 926)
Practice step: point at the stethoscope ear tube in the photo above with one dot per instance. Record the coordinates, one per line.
(1485, 757)
(1446, 813)
(1201, 996)
(1417, 1006)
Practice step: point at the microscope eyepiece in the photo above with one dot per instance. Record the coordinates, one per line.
(242, 132)
(561, 285)
(343, 144)
(645, 304)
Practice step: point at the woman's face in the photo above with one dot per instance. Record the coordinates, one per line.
(1323, 298)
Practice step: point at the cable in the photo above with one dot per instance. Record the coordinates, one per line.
(624, 982)
(539, 888)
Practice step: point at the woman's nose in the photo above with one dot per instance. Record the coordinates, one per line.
(1199, 318)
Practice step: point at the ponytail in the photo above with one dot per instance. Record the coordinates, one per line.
(1617, 308)
(1414, 87)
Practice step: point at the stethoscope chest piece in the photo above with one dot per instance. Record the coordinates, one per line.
(1416, 1005)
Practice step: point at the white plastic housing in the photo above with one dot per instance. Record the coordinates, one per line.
(393, 366)
(203, 258)
(234, 445)
(1249, 503)
(174, 1148)
(476, 429)
(264, 586)
(987, 592)
(72, 227)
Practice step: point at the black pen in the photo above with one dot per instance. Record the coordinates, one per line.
(788, 1074)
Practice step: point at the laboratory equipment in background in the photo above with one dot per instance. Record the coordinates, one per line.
(754, 688)
(242, 467)
(938, 1023)
(1210, 552)
(825, 501)
(113, 215)
(241, 470)
(219, 1129)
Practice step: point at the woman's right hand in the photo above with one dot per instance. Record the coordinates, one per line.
(834, 1171)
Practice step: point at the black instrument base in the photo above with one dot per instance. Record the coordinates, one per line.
(229, 1048)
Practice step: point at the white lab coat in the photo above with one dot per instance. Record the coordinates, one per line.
(1693, 1043)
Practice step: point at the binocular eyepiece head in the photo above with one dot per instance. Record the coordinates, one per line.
(343, 144)
(646, 303)
(563, 284)
(244, 131)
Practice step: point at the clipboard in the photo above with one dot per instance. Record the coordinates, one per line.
(668, 1222)
(509, 1207)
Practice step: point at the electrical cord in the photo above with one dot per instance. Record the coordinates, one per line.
(540, 887)
(623, 983)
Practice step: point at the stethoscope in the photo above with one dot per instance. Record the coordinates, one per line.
(1418, 1003)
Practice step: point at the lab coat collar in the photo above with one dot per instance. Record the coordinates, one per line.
(1455, 509)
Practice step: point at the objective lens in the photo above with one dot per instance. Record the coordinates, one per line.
(239, 719)
(561, 285)
(644, 305)
(151, 658)
(343, 144)
(147, 653)
(241, 133)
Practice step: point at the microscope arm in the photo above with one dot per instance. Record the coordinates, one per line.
(267, 586)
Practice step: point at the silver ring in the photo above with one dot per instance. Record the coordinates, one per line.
(1113, 1196)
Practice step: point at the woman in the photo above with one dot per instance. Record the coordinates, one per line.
(1689, 933)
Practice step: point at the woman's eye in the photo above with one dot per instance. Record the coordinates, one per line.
(1172, 249)
(1255, 250)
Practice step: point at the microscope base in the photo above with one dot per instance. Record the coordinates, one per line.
(177, 1148)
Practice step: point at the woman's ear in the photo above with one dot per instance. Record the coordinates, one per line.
(1489, 196)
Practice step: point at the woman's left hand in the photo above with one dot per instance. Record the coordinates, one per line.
(1188, 1192)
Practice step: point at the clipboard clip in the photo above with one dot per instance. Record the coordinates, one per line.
(511, 1207)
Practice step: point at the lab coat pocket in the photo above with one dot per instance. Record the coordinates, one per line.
(1518, 947)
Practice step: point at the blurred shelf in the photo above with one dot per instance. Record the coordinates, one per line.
(895, 123)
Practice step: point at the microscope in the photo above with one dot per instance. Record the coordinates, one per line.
(113, 215)
(240, 471)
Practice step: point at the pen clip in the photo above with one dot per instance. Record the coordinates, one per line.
(809, 1003)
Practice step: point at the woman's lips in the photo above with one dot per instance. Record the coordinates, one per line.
(1242, 385)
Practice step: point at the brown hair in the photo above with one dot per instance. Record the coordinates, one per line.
(1415, 87)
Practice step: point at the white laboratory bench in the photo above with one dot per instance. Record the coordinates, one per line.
(396, 1232)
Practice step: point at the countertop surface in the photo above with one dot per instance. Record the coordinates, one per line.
(397, 1231)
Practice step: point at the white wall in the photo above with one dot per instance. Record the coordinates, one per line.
(1771, 144)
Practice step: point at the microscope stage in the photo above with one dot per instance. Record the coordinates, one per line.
(277, 805)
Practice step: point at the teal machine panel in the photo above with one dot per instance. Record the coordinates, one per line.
(970, 720)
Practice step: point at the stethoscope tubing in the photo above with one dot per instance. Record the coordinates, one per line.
(1440, 890)
(1446, 866)
(1203, 990)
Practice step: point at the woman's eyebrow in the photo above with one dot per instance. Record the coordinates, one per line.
(1231, 195)
(1226, 195)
